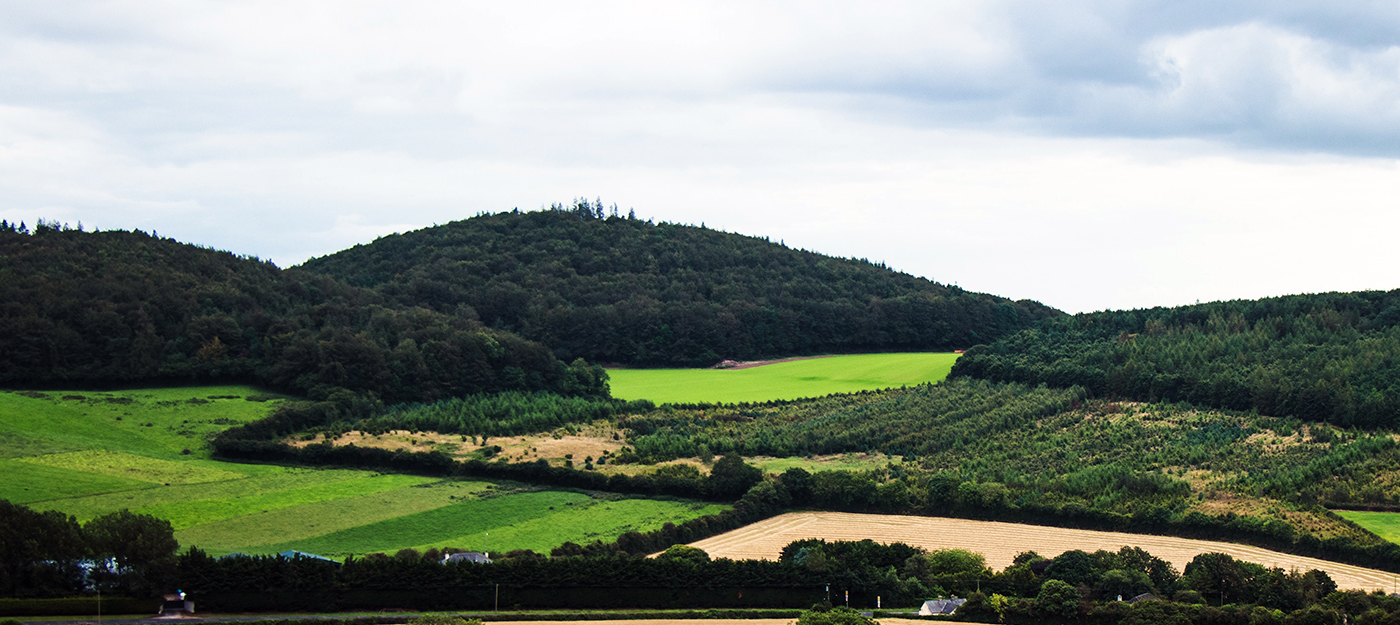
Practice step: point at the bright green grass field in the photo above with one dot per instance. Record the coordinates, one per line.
(89, 454)
(156, 423)
(785, 380)
(1383, 524)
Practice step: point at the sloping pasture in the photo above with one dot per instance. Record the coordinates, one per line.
(813, 377)
(92, 453)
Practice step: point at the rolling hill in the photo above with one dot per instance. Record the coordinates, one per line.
(621, 290)
(89, 309)
(1331, 357)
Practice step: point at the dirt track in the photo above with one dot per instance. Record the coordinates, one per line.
(749, 364)
(1000, 542)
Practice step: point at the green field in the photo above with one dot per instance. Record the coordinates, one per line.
(785, 380)
(89, 454)
(1383, 524)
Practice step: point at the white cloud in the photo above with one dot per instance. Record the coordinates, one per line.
(1089, 154)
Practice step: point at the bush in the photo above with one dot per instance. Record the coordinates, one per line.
(835, 616)
(1058, 599)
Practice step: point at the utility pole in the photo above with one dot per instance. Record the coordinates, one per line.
(498, 597)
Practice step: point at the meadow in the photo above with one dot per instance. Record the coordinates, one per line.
(813, 377)
(88, 454)
(1383, 524)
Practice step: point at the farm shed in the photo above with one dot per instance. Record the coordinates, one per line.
(468, 556)
(941, 606)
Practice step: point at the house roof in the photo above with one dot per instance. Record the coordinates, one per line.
(292, 553)
(941, 606)
(468, 556)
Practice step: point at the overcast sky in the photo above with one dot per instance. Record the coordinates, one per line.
(1089, 155)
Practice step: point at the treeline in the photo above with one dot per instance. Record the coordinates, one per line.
(617, 289)
(501, 414)
(110, 308)
(1131, 586)
(49, 554)
(1332, 357)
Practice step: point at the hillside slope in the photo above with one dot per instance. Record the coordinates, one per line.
(104, 308)
(615, 289)
(1325, 357)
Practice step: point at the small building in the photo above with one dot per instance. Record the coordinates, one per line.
(941, 606)
(468, 556)
(292, 554)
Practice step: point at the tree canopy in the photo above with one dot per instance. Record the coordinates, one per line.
(619, 290)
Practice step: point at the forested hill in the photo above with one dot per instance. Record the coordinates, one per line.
(622, 290)
(1328, 357)
(86, 308)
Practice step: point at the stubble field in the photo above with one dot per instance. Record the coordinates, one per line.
(1000, 542)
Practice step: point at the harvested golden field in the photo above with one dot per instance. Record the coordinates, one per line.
(717, 621)
(1000, 542)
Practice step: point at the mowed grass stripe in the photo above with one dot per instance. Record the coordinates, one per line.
(191, 513)
(814, 377)
(604, 520)
(315, 519)
(132, 466)
(28, 483)
(1383, 524)
(273, 480)
(452, 521)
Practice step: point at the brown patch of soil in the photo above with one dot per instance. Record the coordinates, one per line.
(555, 447)
(735, 365)
(1218, 503)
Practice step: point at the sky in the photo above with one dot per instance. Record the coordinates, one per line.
(1088, 155)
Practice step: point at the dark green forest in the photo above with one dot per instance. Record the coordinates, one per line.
(615, 289)
(1331, 357)
(111, 308)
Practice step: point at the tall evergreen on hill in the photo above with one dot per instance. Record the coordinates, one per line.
(1324, 357)
(618, 289)
(85, 308)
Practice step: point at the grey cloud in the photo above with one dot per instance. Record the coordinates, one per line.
(1273, 76)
